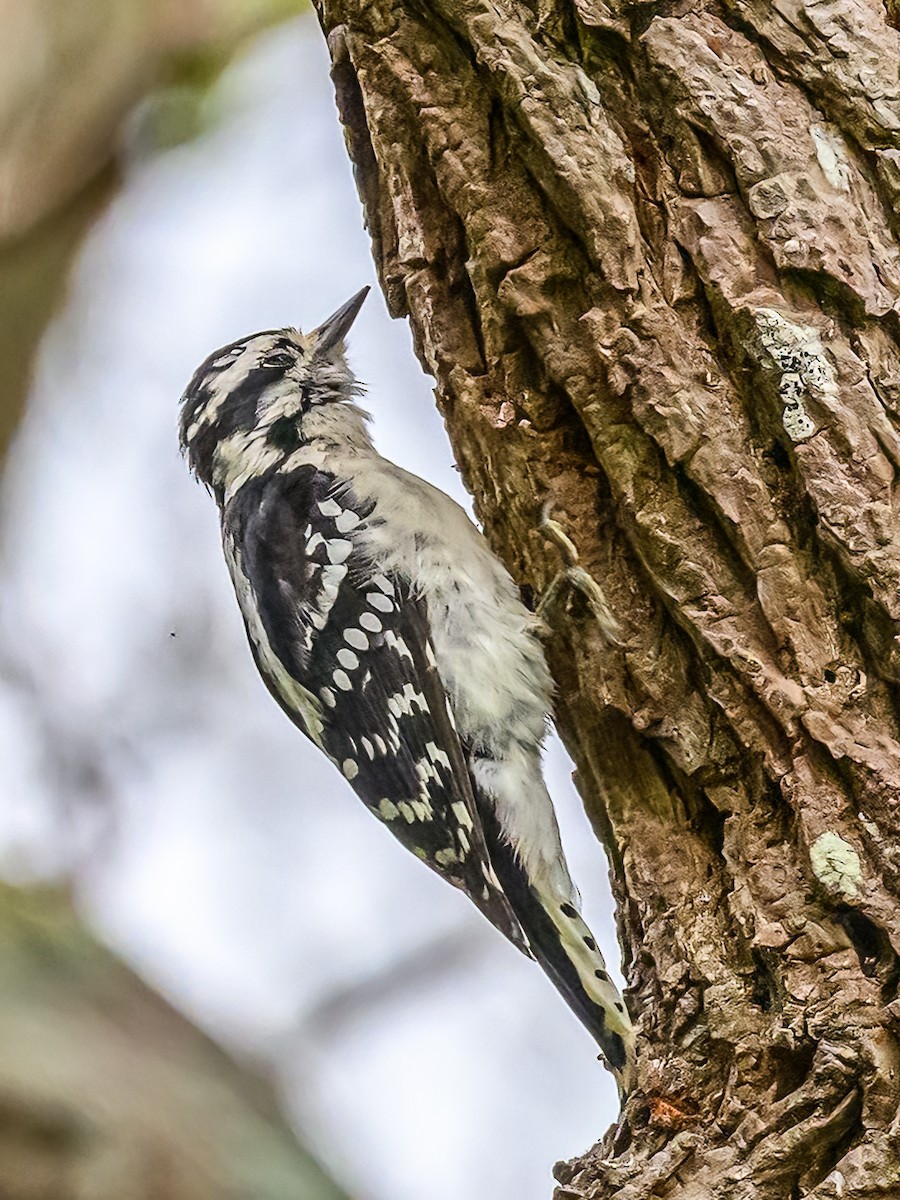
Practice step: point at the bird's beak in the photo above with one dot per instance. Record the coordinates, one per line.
(335, 329)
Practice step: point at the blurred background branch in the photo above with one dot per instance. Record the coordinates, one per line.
(71, 75)
(107, 1092)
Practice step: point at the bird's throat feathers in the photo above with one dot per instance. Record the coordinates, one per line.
(286, 439)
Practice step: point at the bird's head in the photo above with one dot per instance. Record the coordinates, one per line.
(256, 401)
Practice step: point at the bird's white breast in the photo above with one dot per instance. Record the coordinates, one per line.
(484, 638)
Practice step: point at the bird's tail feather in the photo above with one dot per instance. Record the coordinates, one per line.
(564, 946)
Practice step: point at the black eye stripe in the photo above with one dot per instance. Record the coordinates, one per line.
(239, 412)
(281, 360)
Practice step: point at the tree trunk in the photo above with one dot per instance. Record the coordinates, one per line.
(650, 254)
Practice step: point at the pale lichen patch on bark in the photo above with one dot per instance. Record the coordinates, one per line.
(836, 865)
(832, 155)
(804, 369)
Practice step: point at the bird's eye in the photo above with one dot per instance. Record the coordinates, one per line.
(280, 360)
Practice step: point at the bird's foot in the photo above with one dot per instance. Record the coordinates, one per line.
(573, 579)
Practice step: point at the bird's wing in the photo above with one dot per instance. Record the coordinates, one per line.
(346, 651)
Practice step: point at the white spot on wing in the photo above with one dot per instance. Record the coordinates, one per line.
(333, 575)
(414, 697)
(398, 645)
(437, 755)
(462, 814)
(346, 521)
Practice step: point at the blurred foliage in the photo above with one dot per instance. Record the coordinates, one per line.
(33, 268)
(182, 105)
(72, 76)
(107, 1092)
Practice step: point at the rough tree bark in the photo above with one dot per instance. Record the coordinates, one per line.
(650, 252)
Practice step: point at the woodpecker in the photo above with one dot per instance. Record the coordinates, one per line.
(395, 640)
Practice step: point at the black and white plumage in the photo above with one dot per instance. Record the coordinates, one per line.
(392, 636)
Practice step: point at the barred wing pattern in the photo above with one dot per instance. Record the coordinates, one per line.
(346, 653)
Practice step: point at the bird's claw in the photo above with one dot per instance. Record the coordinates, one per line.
(574, 578)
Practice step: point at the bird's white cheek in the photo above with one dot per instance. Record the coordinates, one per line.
(284, 399)
(241, 457)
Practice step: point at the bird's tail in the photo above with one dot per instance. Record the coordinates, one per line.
(565, 947)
